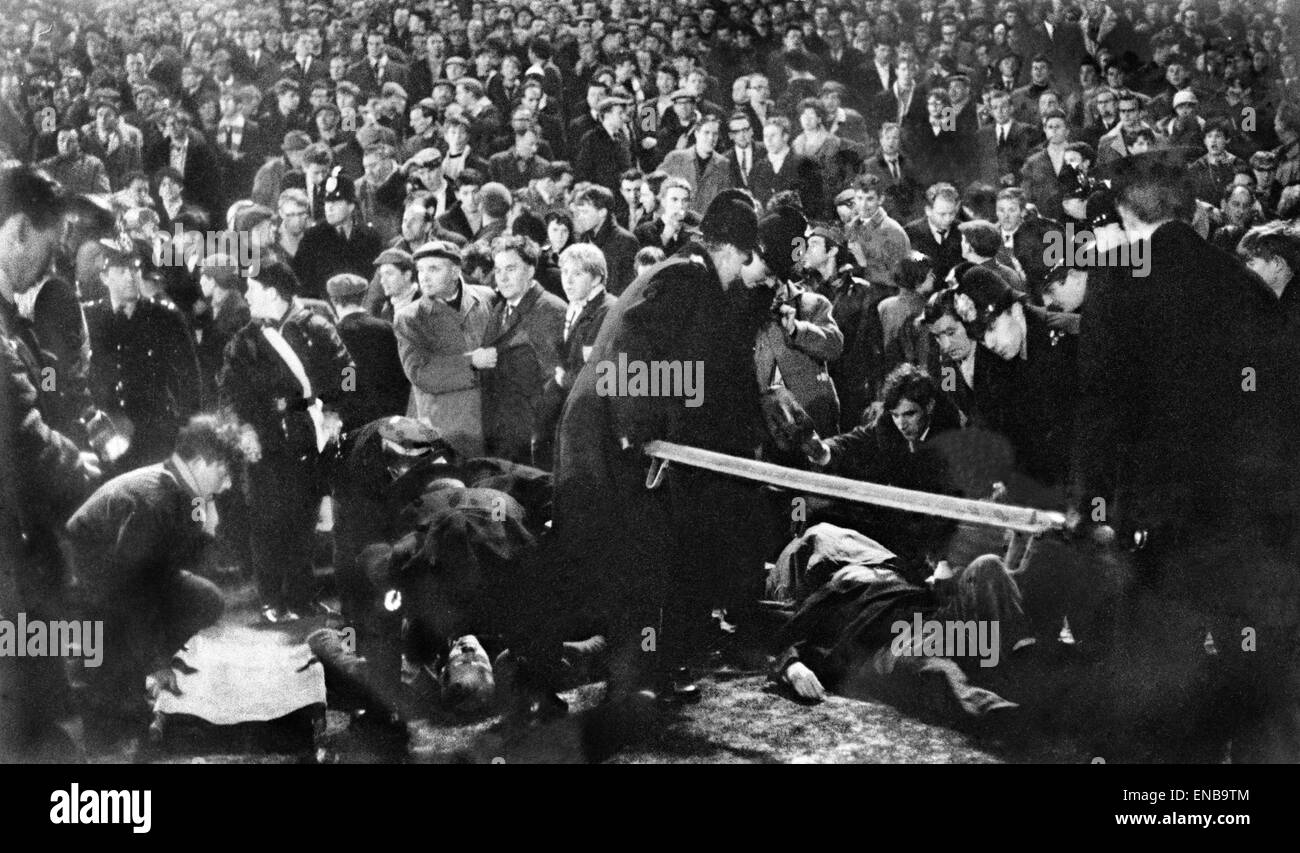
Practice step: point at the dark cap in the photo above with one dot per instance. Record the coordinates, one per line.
(396, 257)
(607, 104)
(346, 285)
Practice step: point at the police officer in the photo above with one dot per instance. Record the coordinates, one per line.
(640, 556)
(278, 375)
(339, 244)
(143, 368)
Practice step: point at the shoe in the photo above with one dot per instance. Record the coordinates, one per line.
(676, 688)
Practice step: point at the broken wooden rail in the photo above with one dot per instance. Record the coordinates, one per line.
(1021, 519)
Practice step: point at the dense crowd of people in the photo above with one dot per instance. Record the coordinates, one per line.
(340, 285)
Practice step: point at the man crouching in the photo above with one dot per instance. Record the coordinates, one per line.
(133, 543)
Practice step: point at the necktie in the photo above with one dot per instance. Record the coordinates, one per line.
(230, 137)
(1002, 136)
(571, 317)
(1008, 239)
(505, 318)
(893, 169)
(744, 156)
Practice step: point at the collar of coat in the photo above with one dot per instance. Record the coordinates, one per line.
(526, 303)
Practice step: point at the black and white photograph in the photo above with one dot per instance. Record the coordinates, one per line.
(875, 382)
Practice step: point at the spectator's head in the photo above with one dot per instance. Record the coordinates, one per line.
(1011, 208)
(291, 210)
(559, 230)
(890, 138)
(554, 179)
(1055, 127)
(1080, 156)
(455, 132)
(211, 447)
(288, 96)
(468, 184)
(646, 257)
(915, 272)
(776, 134)
(317, 159)
(346, 291)
(168, 183)
(707, 131)
(823, 249)
(942, 203)
(612, 113)
(1263, 166)
(629, 187)
(591, 208)
(1215, 136)
(377, 162)
(582, 270)
(1040, 70)
(514, 260)
(1130, 110)
(1286, 123)
(979, 240)
(1106, 106)
(1144, 139)
(396, 272)
(1272, 252)
(271, 291)
(812, 115)
(909, 395)
(674, 199)
(1185, 103)
(438, 268)
(740, 130)
(495, 200)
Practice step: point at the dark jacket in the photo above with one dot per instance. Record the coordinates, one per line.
(528, 351)
(944, 257)
(602, 160)
(623, 540)
(325, 252)
(620, 249)
(144, 367)
(213, 329)
(381, 386)
(573, 349)
(1166, 433)
(262, 391)
(800, 174)
(42, 478)
(133, 533)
